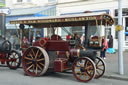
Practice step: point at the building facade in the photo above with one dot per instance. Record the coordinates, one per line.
(68, 7)
(65, 7)
(28, 8)
(13, 4)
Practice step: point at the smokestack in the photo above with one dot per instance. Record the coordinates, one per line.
(2, 25)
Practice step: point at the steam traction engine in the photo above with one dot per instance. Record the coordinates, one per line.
(61, 55)
(9, 56)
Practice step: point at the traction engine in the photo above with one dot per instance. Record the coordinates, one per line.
(60, 55)
(9, 56)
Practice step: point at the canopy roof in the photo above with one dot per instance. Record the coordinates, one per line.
(66, 20)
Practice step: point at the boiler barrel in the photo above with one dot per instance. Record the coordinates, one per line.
(89, 53)
(5, 46)
(83, 53)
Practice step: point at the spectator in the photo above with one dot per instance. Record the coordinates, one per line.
(12, 41)
(104, 48)
(68, 37)
(110, 45)
(83, 40)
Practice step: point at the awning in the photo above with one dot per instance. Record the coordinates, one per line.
(66, 20)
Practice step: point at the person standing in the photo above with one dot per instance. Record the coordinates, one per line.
(83, 40)
(68, 37)
(110, 45)
(104, 48)
(11, 39)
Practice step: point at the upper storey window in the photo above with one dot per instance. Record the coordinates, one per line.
(51, 0)
(19, 0)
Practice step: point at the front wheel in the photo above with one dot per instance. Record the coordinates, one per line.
(100, 67)
(84, 69)
(13, 59)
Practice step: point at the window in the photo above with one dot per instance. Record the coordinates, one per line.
(116, 23)
(19, 0)
(29, 0)
(108, 32)
(51, 0)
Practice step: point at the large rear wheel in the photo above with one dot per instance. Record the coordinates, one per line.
(35, 61)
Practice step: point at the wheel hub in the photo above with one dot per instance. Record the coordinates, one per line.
(82, 69)
(34, 61)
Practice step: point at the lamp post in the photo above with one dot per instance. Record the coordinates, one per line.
(120, 40)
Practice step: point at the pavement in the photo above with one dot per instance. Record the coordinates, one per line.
(112, 66)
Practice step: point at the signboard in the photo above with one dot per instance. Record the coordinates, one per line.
(54, 20)
(2, 3)
(5, 10)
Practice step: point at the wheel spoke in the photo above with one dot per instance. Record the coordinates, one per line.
(33, 68)
(84, 76)
(41, 64)
(99, 65)
(39, 67)
(36, 68)
(29, 63)
(91, 71)
(78, 72)
(77, 67)
(98, 72)
(40, 54)
(86, 64)
(29, 67)
(36, 54)
(27, 58)
(80, 75)
(88, 67)
(33, 52)
(97, 62)
(100, 69)
(11, 63)
(30, 55)
(40, 59)
(14, 63)
(87, 75)
(13, 55)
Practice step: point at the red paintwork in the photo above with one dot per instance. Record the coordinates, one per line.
(36, 44)
(2, 58)
(60, 64)
(57, 45)
(24, 47)
(62, 54)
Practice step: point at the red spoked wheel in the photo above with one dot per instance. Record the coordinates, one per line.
(13, 59)
(84, 69)
(100, 67)
(35, 61)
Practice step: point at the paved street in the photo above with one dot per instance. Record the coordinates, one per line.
(112, 64)
(111, 77)
(17, 77)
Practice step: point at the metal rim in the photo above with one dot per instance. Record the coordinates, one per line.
(100, 67)
(35, 61)
(84, 69)
(14, 59)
